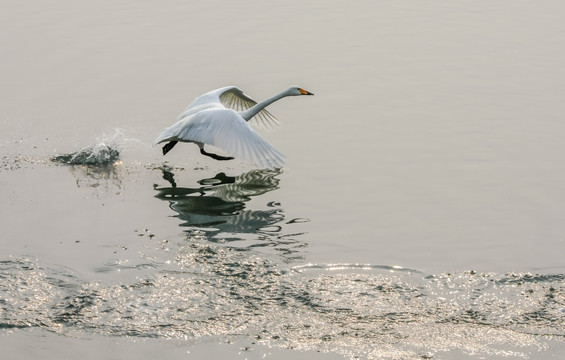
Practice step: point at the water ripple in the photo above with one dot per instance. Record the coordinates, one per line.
(345, 266)
(370, 311)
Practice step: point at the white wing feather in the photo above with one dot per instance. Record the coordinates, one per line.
(233, 98)
(237, 100)
(227, 130)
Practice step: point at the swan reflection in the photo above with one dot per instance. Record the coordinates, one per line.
(218, 207)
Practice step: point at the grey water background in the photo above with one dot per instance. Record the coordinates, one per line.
(419, 214)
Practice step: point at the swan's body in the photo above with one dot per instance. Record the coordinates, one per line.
(219, 118)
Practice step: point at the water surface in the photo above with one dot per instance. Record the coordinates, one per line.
(419, 213)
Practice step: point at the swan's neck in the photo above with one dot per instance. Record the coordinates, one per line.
(247, 115)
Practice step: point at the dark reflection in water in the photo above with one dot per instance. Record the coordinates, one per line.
(218, 207)
(105, 179)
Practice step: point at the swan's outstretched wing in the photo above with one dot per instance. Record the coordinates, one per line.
(233, 98)
(225, 129)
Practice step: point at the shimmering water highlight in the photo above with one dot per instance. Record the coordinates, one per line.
(367, 311)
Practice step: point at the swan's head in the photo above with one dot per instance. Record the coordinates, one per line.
(297, 90)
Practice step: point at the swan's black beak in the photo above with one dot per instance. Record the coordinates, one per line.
(304, 92)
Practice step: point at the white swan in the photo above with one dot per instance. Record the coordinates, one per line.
(220, 117)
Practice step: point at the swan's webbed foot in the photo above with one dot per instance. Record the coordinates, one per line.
(168, 146)
(215, 156)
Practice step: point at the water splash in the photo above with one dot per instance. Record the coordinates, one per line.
(104, 151)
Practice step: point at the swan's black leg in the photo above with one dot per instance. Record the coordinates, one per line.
(214, 156)
(168, 146)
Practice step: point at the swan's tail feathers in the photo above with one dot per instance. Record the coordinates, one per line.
(167, 134)
(161, 138)
(168, 146)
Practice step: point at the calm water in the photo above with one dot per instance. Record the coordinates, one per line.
(419, 214)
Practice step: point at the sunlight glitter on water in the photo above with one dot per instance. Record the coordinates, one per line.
(344, 266)
(220, 291)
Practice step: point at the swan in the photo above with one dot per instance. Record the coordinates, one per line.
(220, 118)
